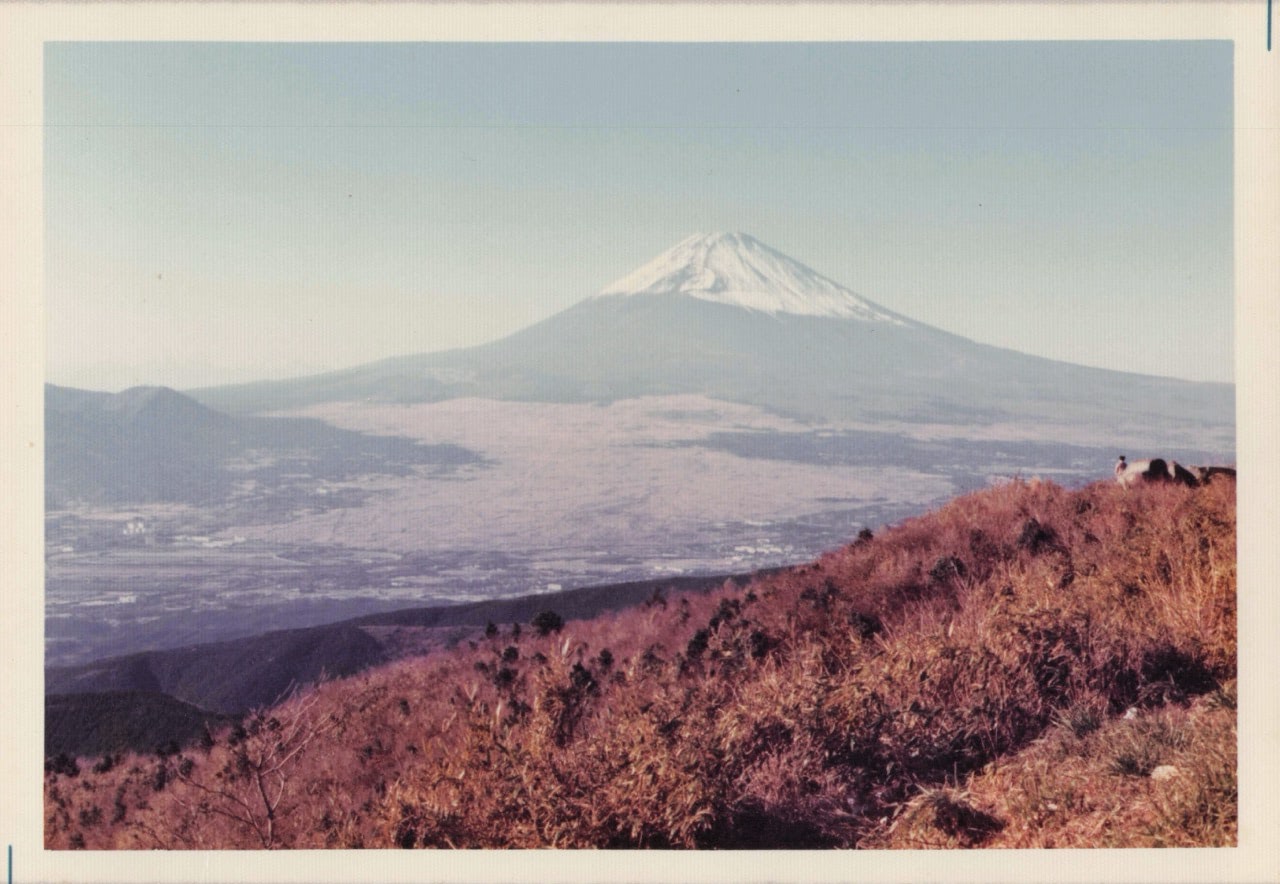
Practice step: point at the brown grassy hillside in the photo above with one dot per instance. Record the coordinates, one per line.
(1027, 666)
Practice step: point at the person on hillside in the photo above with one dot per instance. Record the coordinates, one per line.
(1121, 466)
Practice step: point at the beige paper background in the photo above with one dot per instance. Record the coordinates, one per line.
(24, 28)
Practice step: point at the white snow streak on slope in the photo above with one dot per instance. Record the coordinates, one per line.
(739, 270)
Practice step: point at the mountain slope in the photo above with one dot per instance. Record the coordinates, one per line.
(724, 315)
(846, 702)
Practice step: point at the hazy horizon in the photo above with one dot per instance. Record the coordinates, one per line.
(219, 213)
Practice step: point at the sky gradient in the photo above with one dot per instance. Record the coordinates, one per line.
(230, 212)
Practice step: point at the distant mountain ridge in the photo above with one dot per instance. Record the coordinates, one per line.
(728, 317)
(154, 444)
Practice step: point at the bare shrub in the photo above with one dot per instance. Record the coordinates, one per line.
(251, 785)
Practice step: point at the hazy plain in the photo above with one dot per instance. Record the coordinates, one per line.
(561, 495)
(565, 496)
(585, 478)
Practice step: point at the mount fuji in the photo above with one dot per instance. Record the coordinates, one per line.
(726, 316)
(740, 271)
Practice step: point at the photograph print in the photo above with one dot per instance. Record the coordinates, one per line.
(639, 445)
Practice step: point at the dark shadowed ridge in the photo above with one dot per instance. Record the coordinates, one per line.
(97, 724)
(232, 676)
(235, 676)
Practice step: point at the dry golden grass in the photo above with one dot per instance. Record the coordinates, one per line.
(1093, 789)
(962, 680)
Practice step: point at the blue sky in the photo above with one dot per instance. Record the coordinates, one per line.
(229, 212)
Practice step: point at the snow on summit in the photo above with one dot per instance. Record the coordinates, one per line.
(739, 270)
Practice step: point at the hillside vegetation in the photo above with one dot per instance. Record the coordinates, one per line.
(1027, 666)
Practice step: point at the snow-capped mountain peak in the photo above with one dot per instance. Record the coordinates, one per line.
(739, 270)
